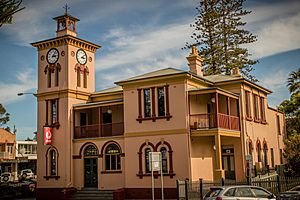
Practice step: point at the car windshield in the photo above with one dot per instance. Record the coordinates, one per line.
(213, 192)
(26, 171)
(295, 188)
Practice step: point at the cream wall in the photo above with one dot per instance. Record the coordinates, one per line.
(105, 180)
(179, 143)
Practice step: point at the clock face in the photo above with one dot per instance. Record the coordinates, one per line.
(81, 56)
(52, 56)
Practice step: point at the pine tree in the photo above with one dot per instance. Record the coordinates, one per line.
(220, 35)
(7, 9)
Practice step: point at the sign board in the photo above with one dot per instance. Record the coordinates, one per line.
(47, 135)
(155, 161)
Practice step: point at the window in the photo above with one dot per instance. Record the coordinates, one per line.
(52, 106)
(10, 148)
(90, 150)
(85, 79)
(147, 103)
(278, 124)
(255, 106)
(260, 193)
(112, 157)
(258, 152)
(262, 109)
(265, 155)
(53, 163)
(147, 160)
(49, 78)
(152, 99)
(250, 146)
(164, 159)
(248, 108)
(281, 156)
(78, 77)
(161, 101)
(272, 157)
(243, 192)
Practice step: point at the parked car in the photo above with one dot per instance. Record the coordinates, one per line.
(7, 177)
(26, 174)
(239, 192)
(292, 194)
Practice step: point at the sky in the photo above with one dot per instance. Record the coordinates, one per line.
(138, 36)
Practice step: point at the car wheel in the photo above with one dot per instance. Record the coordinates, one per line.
(5, 178)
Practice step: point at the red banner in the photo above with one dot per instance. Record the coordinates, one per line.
(47, 135)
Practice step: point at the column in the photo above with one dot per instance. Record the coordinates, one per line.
(219, 173)
(217, 110)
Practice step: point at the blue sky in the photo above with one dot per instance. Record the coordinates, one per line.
(138, 36)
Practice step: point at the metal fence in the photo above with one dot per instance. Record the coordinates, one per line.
(192, 190)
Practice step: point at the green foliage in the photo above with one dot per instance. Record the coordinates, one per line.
(292, 153)
(4, 116)
(218, 31)
(291, 108)
(7, 9)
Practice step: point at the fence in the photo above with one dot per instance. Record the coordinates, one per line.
(192, 190)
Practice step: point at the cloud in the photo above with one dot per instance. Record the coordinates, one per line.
(25, 81)
(145, 47)
(277, 27)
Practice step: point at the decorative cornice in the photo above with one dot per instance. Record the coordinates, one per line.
(63, 93)
(66, 40)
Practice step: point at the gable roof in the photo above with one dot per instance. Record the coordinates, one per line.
(157, 73)
(221, 77)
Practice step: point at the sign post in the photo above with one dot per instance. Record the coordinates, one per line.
(156, 165)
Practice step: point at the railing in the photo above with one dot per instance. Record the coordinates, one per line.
(6, 155)
(99, 130)
(207, 121)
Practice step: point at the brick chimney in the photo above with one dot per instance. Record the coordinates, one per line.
(235, 71)
(194, 62)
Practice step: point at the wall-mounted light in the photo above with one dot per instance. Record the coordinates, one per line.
(213, 100)
(109, 111)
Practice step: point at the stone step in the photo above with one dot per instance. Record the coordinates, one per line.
(93, 194)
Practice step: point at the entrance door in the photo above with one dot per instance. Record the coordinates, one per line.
(228, 163)
(90, 172)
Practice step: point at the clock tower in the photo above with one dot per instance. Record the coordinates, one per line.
(65, 77)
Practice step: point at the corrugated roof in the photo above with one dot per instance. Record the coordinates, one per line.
(222, 77)
(157, 73)
(109, 90)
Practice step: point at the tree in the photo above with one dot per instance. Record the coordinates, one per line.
(7, 9)
(218, 31)
(292, 154)
(291, 108)
(4, 117)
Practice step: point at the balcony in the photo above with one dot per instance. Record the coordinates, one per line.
(214, 111)
(6, 155)
(99, 130)
(102, 121)
(209, 121)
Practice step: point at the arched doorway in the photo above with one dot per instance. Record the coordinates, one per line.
(91, 166)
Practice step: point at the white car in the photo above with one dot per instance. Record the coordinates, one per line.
(27, 174)
(6, 177)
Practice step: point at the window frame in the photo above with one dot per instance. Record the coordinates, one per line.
(256, 108)
(248, 105)
(263, 110)
(151, 104)
(50, 163)
(110, 156)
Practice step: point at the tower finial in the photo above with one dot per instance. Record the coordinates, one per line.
(66, 7)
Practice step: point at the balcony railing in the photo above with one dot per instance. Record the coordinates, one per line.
(208, 121)
(6, 155)
(99, 130)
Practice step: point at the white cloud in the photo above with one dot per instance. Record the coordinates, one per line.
(25, 81)
(277, 27)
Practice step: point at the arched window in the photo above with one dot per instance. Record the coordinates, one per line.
(112, 157)
(258, 152)
(90, 150)
(265, 155)
(250, 146)
(78, 77)
(164, 159)
(85, 79)
(147, 160)
(53, 162)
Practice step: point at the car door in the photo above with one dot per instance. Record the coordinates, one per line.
(244, 193)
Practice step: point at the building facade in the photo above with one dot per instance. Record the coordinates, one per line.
(208, 127)
(7, 151)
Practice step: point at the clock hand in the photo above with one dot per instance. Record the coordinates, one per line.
(53, 56)
(83, 57)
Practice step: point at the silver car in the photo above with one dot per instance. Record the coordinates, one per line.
(240, 192)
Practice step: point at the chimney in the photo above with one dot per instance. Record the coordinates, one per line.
(235, 71)
(194, 62)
